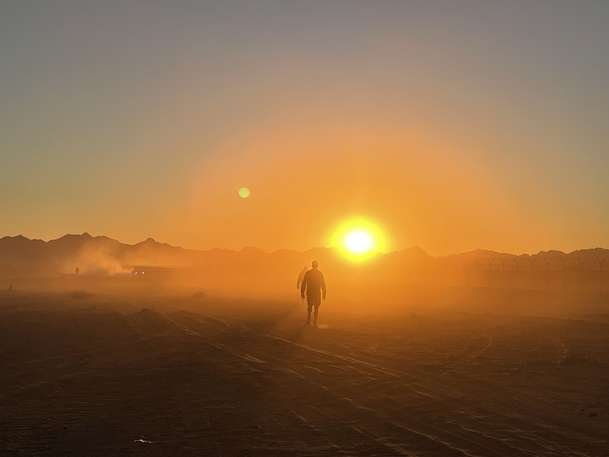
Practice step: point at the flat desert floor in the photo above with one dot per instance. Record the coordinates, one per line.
(85, 380)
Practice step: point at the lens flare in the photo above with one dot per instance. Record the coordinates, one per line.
(358, 239)
(244, 192)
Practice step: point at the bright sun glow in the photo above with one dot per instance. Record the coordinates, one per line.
(358, 239)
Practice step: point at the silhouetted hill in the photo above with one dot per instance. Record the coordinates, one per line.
(92, 255)
(100, 255)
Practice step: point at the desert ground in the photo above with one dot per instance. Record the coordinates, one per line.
(89, 375)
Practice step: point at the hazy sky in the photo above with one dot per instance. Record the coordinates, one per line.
(454, 124)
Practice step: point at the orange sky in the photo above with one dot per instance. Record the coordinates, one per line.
(306, 180)
(482, 125)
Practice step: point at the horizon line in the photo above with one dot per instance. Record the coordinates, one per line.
(237, 250)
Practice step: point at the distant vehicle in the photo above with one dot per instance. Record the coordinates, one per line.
(151, 272)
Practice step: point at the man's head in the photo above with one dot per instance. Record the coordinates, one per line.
(315, 264)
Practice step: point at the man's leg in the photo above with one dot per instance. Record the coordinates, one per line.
(309, 309)
(316, 314)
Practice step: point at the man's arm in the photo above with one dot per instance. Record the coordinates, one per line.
(303, 284)
(323, 286)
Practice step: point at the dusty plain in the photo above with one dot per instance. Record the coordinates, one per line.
(88, 375)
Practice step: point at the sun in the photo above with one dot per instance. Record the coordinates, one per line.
(358, 239)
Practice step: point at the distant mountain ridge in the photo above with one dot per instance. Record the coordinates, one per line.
(101, 254)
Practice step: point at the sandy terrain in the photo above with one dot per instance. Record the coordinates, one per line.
(87, 380)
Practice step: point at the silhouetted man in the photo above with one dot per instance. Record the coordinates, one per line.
(315, 285)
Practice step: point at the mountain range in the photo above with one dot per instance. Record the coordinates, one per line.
(102, 255)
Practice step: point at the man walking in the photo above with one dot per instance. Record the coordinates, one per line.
(315, 286)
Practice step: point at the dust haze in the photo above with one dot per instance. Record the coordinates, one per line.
(550, 283)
